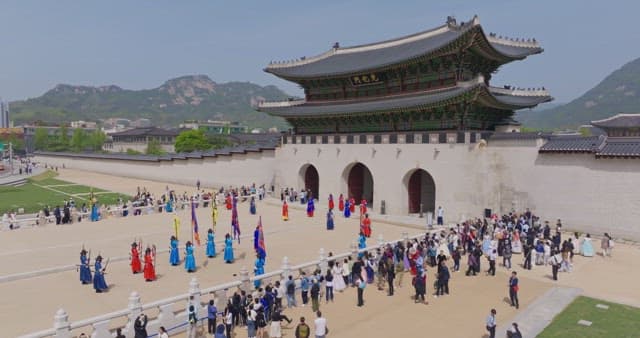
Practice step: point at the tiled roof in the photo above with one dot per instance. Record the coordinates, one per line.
(619, 121)
(148, 131)
(626, 147)
(518, 136)
(340, 61)
(572, 144)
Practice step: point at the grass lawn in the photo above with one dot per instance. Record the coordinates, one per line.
(618, 321)
(34, 195)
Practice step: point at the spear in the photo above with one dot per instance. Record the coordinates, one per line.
(153, 250)
(104, 269)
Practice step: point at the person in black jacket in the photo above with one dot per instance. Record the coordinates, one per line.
(140, 326)
(443, 279)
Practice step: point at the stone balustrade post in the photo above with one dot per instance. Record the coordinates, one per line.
(221, 299)
(135, 308)
(286, 268)
(167, 317)
(244, 279)
(101, 329)
(61, 324)
(324, 263)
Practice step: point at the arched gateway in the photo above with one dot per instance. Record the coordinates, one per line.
(359, 182)
(310, 179)
(421, 189)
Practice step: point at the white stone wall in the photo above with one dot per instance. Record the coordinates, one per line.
(589, 195)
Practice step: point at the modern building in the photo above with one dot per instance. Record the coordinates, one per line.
(4, 115)
(137, 139)
(212, 127)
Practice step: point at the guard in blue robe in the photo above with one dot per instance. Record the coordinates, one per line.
(259, 270)
(211, 245)
(329, 220)
(362, 244)
(94, 212)
(347, 210)
(85, 271)
(99, 284)
(256, 238)
(310, 207)
(252, 206)
(189, 259)
(228, 249)
(168, 206)
(174, 255)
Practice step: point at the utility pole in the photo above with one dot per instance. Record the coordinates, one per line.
(11, 157)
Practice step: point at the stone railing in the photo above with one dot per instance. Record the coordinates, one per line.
(174, 321)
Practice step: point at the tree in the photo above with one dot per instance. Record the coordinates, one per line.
(41, 139)
(96, 140)
(218, 142)
(79, 140)
(154, 147)
(191, 140)
(64, 135)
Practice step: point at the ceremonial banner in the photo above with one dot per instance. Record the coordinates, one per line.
(194, 222)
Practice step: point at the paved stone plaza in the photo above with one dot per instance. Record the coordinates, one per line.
(459, 315)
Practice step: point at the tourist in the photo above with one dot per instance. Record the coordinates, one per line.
(140, 326)
(304, 288)
(281, 290)
(606, 244)
(555, 262)
(361, 285)
(212, 313)
(228, 320)
(161, 334)
(252, 206)
(514, 287)
(275, 330)
(514, 332)
(302, 329)
(189, 260)
(290, 285)
(149, 269)
(192, 322)
(321, 328)
(220, 331)
(174, 255)
(85, 270)
(506, 255)
(492, 262)
(440, 215)
(491, 323)
(420, 284)
(252, 316)
(457, 255)
(211, 244)
(338, 277)
(443, 279)
(527, 249)
(587, 246)
(328, 286)
(315, 295)
(391, 275)
(330, 224)
(99, 283)
(228, 249)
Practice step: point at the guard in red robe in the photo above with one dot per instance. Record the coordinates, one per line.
(227, 202)
(285, 211)
(366, 226)
(136, 266)
(341, 203)
(149, 270)
(352, 205)
(331, 205)
(363, 207)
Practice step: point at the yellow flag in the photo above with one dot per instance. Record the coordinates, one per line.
(176, 225)
(214, 214)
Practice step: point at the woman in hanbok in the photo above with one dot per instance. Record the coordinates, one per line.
(331, 205)
(149, 269)
(329, 220)
(227, 202)
(99, 284)
(252, 205)
(285, 211)
(362, 243)
(174, 255)
(352, 205)
(85, 271)
(189, 259)
(587, 246)
(211, 244)
(310, 207)
(228, 249)
(516, 243)
(341, 203)
(577, 243)
(136, 266)
(258, 270)
(347, 209)
(338, 283)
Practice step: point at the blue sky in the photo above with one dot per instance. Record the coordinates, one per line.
(140, 44)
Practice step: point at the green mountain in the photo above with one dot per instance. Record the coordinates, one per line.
(194, 97)
(617, 93)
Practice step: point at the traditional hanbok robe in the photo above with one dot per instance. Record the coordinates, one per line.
(136, 266)
(329, 220)
(331, 205)
(285, 211)
(338, 281)
(168, 206)
(310, 208)
(366, 227)
(259, 270)
(347, 209)
(211, 245)
(99, 284)
(228, 250)
(252, 206)
(363, 207)
(341, 203)
(362, 244)
(227, 202)
(95, 216)
(174, 255)
(516, 243)
(189, 260)
(85, 271)
(352, 205)
(149, 269)
(486, 245)
(587, 247)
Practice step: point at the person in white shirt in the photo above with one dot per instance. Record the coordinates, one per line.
(440, 215)
(321, 328)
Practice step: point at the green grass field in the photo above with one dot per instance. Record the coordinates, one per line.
(618, 321)
(45, 190)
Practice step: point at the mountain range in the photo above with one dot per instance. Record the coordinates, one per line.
(193, 97)
(619, 92)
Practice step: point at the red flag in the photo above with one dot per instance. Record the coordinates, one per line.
(194, 222)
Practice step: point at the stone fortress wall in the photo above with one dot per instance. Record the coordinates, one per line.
(588, 194)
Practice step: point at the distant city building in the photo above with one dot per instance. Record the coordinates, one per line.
(4, 114)
(138, 138)
(216, 127)
(83, 124)
(141, 123)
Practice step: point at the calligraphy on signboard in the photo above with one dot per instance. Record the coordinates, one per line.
(366, 79)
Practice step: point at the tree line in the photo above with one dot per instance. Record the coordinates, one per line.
(80, 140)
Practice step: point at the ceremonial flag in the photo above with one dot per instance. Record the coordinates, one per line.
(194, 222)
(176, 224)
(261, 249)
(234, 219)
(214, 214)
